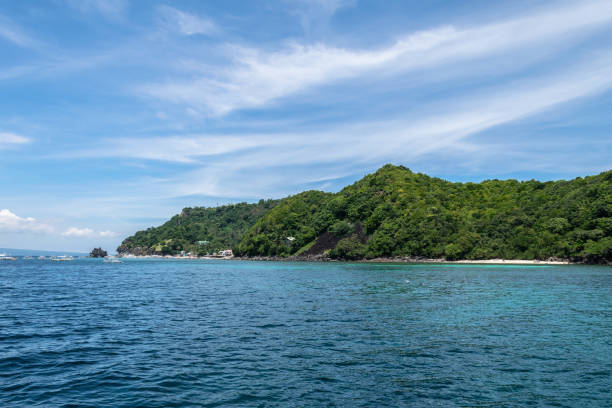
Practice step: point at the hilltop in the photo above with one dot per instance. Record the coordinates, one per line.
(395, 212)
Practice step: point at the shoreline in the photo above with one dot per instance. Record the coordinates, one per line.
(496, 261)
(406, 260)
(409, 260)
(481, 261)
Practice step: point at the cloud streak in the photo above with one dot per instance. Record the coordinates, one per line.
(312, 13)
(245, 164)
(14, 34)
(8, 140)
(256, 77)
(178, 149)
(187, 23)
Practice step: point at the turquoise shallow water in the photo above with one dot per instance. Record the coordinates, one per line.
(236, 333)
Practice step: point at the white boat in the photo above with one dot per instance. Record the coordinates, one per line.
(4, 257)
(62, 258)
(112, 260)
(41, 257)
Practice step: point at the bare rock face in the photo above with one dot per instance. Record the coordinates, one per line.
(98, 253)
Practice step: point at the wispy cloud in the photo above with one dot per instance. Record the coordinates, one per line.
(8, 139)
(11, 32)
(109, 8)
(11, 222)
(179, 149)
(258, 77)
(87, 233)
(313, 13)
(243, 164)
(187, 23)
(57, 63)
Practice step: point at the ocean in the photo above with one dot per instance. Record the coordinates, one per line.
(173, 333)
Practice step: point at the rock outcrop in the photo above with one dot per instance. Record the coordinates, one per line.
(98, 253)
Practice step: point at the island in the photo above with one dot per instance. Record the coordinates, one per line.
(396, 214)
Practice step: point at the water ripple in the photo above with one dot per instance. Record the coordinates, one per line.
(219, 334)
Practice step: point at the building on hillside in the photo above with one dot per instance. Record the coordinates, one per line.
(226, 252)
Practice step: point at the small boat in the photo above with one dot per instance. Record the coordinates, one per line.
(41, 257)
(112, 260)
(62, 258)
(4, 257)
(28, 257)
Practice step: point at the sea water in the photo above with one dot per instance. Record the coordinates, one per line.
(157, 333)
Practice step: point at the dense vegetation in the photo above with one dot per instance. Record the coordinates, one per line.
(199, 230)
(395, 212)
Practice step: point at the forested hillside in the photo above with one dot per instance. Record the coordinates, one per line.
(200, 230)
(395, 212)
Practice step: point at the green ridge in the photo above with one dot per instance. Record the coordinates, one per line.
(395, 212)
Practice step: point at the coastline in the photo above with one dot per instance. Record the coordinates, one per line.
(397, 259)
(406, 260)
(481, 261)
(414, 260)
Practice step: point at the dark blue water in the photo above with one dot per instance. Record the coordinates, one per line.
(231, 333)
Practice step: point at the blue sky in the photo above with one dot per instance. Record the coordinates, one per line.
(116, 114)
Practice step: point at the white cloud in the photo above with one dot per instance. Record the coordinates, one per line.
(446, 121)
(78, 232)
(187, 23)
(10, 222)
(8, 139)
(87, 232)
(264, 164)
(257, 77)
(405, 139)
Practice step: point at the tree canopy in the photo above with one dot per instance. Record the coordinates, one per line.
(200, 230)
(395, 212)
(411, 214)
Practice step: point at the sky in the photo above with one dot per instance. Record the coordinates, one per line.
(116, 114)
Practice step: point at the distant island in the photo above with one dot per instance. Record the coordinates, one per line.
(98, 253)
(395, 213)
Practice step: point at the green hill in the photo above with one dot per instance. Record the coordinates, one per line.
(395, 212)
(200, 230)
